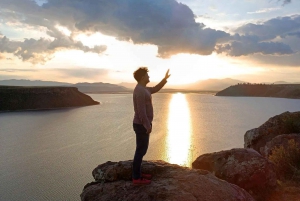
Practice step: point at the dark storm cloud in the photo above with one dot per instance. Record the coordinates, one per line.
(249, 44)
(168, 24)
(266, 38)
(272, 28)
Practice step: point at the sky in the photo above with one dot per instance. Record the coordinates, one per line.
(106, 41)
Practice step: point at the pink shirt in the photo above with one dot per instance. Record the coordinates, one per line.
(142, 102)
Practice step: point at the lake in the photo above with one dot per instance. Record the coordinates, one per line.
(50, 155)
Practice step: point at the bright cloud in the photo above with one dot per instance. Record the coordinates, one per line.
(120, 35)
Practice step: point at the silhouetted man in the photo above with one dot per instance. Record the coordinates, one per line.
(142, 121)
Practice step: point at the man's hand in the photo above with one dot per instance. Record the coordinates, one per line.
(149, 130)
(167, 74)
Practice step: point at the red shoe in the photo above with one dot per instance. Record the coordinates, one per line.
(141, 181)
(147, 176)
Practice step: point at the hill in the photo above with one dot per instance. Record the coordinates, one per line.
(14, 82)
(262, 90)
(14, 98)
(85, 87)
(99, 87)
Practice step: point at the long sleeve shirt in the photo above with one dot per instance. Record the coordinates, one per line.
(142, 102)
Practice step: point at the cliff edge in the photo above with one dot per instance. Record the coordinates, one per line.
(32, 98)
(263, 90)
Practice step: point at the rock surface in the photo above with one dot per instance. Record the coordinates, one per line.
(285, 123)
(170, 182)
(243, 167)
(35, 98)
(280, 140)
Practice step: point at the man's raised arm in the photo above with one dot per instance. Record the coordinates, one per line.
(160, 84)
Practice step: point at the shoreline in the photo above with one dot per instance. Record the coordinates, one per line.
(44, 109)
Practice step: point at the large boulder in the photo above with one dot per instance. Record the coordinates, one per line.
(280, 140)
(284, 152)
(243, 167)
(170, 182)
(285, 123)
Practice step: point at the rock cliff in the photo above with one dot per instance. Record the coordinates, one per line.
(33, 98)
(285, 123)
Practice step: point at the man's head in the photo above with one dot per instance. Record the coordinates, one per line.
(141, 75)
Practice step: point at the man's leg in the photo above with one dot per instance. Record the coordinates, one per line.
(142, 142)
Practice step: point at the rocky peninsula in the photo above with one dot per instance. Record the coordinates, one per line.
(262, 90)
(13, 98)
(266, 169)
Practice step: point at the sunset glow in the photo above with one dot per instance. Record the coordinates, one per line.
(210, 41)
(179, 135)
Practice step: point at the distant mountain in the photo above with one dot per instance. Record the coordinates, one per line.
(281, 82)
(85, 87)
(14, 82)
(100, 87)
(127, 85)
(284, 82)
(203, 85)
(212, 84)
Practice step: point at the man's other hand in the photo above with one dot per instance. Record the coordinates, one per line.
(149, 130)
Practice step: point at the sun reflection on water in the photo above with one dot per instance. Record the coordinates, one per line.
(179, 131)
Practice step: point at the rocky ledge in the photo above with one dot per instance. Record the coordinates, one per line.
(285, 123)
(35, 98)
(267, 169)
(170, 182)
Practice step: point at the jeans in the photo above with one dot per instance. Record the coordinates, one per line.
(142, 142)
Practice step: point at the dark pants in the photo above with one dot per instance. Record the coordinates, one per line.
(142, 142)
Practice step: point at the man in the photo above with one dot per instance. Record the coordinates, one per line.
(142, 121)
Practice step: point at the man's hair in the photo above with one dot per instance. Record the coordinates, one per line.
(139, 73)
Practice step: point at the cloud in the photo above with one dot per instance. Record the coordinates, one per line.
(2, 56)
(297, 34)
(10, 70)
(272, 28)
(266, 10)
(27, 13)
(286, 1)
(239, 48)
(41, 50)
(168, 24)
(55, 74)
(263, 38)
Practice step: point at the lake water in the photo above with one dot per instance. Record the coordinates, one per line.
(49, 155)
